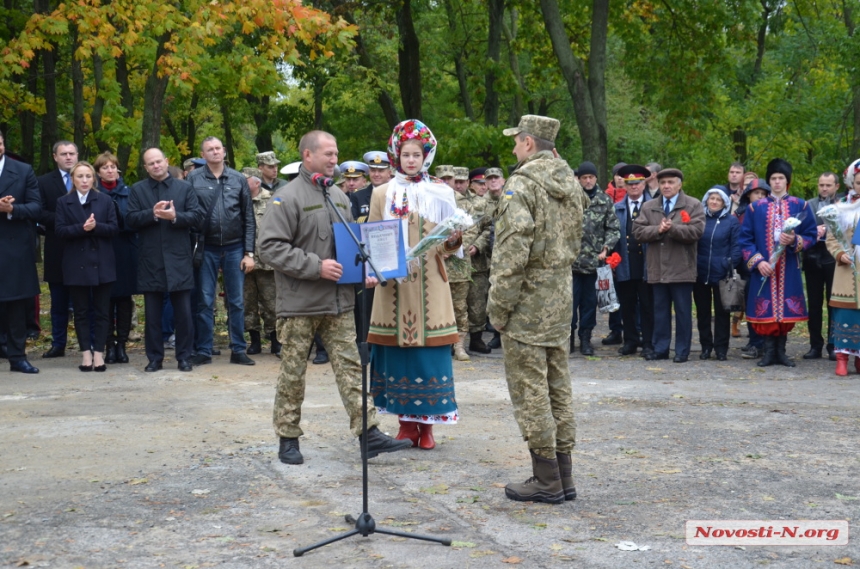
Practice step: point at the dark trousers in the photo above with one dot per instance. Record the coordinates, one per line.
(33, 315)
(703, 294)
(13, 319)
(167, 327)
(637, 303)
(666, 297)
(59, 314)
(153, 309)
(92, 334)
(121, 308)
(819, 288)
(584, 303)
(616, 324)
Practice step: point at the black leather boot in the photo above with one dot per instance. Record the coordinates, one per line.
(110, 351)
(769, 352)
(254, 347)
(276, 345)
(477, 345)
(780, 352)
(585, 347)
(120, 355)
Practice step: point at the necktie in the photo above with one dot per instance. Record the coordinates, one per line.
(666, 208)
(68, 182)
(635, 213)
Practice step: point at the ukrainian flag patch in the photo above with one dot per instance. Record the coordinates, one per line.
(509, 194)
(276, 201)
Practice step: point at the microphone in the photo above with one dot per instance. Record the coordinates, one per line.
(322, 181)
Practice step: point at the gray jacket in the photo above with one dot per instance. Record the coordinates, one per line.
(295, 236)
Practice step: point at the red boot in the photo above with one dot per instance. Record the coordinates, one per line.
(426, 440)
(408, 430)
(842, 364)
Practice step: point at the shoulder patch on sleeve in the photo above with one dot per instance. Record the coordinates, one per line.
(276, 201)
(509, 194)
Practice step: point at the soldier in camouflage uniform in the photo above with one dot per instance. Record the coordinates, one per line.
(538, 232)
(459, 270)
(295, 239)
(495, 183)
(267, 164)
(480, 251)
(259, 293)
(601, 231)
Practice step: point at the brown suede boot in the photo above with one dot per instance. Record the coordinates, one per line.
(544, 486)
(565, 469)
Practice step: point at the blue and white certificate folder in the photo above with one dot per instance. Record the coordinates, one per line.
(385, 243)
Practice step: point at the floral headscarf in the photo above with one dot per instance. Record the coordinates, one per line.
(412, 129)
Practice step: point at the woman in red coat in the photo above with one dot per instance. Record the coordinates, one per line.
(86, 222)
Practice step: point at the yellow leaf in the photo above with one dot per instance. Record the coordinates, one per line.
(843, 561)
(512, 560)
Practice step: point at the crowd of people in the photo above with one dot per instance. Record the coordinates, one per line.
(525, 271)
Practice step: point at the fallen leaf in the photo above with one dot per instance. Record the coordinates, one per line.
(498, 484)
(438, 489)
(767, 498)
(136, 481)
(841, 497)
(556, 546)
(843, 561)
(462, 544)
(482, 553)
(198, 492)
(513, 560)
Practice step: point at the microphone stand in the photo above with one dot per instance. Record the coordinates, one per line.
(364, 524)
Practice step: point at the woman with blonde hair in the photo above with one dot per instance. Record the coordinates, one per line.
(86, 222)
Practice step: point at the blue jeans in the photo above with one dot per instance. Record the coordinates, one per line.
(226, 258)
(584, 302)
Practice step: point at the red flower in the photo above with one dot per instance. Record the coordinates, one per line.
(613, 260)
(685, 217)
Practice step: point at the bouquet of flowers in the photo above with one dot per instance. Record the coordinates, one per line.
(788, 226)
(457, 221)
(613, 260)
(685, 217)
(830, 216)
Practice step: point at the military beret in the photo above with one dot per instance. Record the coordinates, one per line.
(541, 127)
(268, 158)
(670, 173)
(354, 169)
(478, 174)
(461, 173)
(255, 172)
(493, 173)
(633, 173)
(444, 171)
(376, 159)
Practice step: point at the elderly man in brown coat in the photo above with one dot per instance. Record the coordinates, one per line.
(672, 225)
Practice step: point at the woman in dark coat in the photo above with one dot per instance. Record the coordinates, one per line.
(125, 251)
(86, 222)
(718, 253)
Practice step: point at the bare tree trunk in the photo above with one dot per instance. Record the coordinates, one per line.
(260, 112)
(408, 56)
(229, 143)
(597, 77)
(123, 150)
(99, 105)
(50, 128)
(28, 118)
(153, 102)
(459, 66)
(494, 50)
(78, 119)
(513, 59)
(574, 75)
(850, 25)
(319, 85)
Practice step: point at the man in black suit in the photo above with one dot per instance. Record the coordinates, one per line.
(53, 186)
(20, 206)
(163, 210)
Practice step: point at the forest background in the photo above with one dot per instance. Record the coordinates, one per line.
(694, 84)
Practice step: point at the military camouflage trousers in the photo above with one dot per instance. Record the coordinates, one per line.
(297, 334)
(479, 289)
(460, 296)
(539, 385)
(260, 301)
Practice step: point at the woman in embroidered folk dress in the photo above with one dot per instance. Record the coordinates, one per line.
(845, 299)
(412, 326)
(776, 301)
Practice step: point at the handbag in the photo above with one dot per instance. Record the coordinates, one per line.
(198, 238)
(732, 293)
(607, 300)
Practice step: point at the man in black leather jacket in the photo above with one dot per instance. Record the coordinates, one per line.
(229, 227)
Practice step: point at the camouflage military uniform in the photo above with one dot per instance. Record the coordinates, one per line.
(259, 290)
(338, 335)
(538, 232)
(481, 210)
(459, 272)
(601, 230)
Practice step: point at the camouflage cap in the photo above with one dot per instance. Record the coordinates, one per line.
(267, 158)
(248, 172)
(461, 173)
(189, 164)
(541, 127)
(444, 171)
(493, 173)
